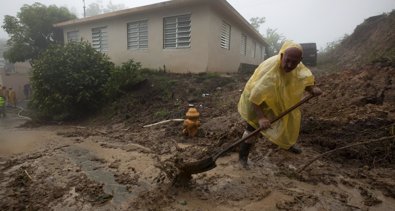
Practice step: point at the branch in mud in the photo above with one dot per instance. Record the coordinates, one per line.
(31, 179)
(345, 147)
(164, 121)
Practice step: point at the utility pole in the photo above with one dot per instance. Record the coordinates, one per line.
(84, 8)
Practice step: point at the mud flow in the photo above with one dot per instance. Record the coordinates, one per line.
(117, 164)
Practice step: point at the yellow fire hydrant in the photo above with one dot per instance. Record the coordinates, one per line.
(191, 123)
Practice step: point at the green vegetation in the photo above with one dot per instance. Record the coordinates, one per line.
(97, 8)
(325, 57)
(256, 22)
(69, 81)
(124, 78)
(32, 31)
(272, 37)
(275, 41)
(161, 114)
(3, 46)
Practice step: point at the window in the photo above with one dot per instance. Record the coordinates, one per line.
(72, 36)
(137, 34)
(243, 44)
(253, 49)
(257, 50)
(177, 32)
(225, 36)
(100, 39)
(263, 52)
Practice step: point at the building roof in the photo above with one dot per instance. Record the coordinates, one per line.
(221, 4)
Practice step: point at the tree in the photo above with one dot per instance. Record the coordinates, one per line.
(274, 40)
(272, 37)
(69, 81)
(93, 9)
(256, 22)
(113, 7)
(32, 31)
(97, 8)
(3, 46)
(124, 78)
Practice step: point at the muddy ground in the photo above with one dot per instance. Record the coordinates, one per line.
(111, 162)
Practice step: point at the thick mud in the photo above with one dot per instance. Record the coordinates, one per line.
(121, 166)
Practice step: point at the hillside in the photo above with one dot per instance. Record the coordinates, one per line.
(372, 41)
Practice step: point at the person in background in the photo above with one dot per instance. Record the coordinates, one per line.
(26, 91)
(11, 97)
(2, 105)
(276, 85)
(4, 92)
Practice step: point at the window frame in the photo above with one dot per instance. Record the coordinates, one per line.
(177, 33)
(142, 39)
(225, 37)
(253, 49)
(102, 36)
(263, 51)
(243, 44)
(74, 38)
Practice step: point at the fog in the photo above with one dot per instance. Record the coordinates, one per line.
(320, 21)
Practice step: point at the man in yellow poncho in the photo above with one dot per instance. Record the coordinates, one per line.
(277, 84)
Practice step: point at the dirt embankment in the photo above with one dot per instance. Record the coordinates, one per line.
(372, 41)
(357, 105)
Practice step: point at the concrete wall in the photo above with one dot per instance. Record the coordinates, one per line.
(193, 59)
(204, 54)
(224, 60)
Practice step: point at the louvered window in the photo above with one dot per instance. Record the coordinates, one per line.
(263, 52)
(177, 32)
(72, 36)
(100, 39)
(225, 36)
(258, 51)
(253, 49)
(138, 34)
(243, 44)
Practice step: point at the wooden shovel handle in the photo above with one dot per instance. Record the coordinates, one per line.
(291, 109)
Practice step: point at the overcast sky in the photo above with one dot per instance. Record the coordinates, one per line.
(320, 21)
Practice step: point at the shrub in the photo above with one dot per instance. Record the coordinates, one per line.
(69, 81)
(124, 78)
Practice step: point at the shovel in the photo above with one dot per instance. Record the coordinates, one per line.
(208, 163)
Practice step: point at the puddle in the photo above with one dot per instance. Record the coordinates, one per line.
(96, 169)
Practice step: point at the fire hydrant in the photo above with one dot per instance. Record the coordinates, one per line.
(191, 123)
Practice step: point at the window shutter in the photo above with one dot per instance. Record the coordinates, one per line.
(100, 39)
(263, 49)
(72, 36)
(225, 36)
(137, 34)
(177, 32)
(243, 44)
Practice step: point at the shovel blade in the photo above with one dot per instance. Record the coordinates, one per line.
(198, 166)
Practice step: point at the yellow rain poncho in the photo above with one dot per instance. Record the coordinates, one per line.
(276, 91)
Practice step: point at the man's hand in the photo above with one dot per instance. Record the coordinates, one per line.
(313, 90)
(264, 123)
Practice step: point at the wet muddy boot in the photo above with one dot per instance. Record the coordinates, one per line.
(295, 149)
(243, 154)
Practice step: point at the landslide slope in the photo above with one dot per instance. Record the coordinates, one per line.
(372, 41)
